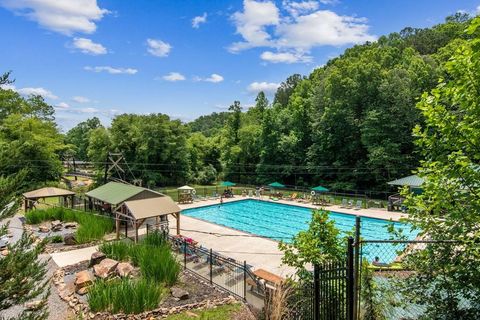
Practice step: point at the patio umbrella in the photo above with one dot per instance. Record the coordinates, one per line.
(276, 185)
(227, 184)
(320, 189)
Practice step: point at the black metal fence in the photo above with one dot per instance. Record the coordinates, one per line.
(415, 280)
(231, 275)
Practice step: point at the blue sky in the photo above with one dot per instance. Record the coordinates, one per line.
(185, 58)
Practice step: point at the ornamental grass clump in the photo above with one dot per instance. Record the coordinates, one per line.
(125, 296)
(158, 264)
(91, 227)
(117, 250)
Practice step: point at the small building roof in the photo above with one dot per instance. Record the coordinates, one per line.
(186, 188)
(413, 181)
(153, 207)
(47, 192)
(116, 193)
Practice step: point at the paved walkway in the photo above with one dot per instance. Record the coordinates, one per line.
(68, 258)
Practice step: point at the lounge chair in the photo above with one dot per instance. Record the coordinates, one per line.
(350, 204)
(358, 206)
(250, 193)
(292, 197)
(344, 203)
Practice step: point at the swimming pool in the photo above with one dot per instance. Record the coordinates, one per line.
(279, 221)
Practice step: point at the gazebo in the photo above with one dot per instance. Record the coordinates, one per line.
(48, 192)
(110, 196)
(138, 211)
(185, 194)
(414, 182)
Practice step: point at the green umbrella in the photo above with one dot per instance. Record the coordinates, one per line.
(276, 185)
(227, 184)
(320, 189)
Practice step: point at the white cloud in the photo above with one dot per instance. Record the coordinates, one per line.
(252, 22)
(197, 21)
(81, 99)
(63, 105)
(293, 34)
(88, 110)
(87, 46)
(285, 57)
(158, 48)
(478, 10)
(37, 91)
(267, 87)
(63, 16)
(214, 78)
(174, 76)
(111, 70)
(296, 8)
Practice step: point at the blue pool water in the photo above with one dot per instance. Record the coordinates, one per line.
(281, 222)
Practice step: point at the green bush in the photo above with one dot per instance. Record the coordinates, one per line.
(158, 264)
(91, 227)
(117, 250)
(153, 255)
(126, 295)
(55, 239)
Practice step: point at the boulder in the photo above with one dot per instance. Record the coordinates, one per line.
(82, 291)
(179, 293)
(69, 239)
(70, 225)
(33, 305)
(83, 279)
(44, 228)
(96, 258)
(105, 268)
(56, 225)
(66, 291)
(124, 269)
(4, 252)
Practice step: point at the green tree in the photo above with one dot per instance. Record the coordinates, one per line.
(320, 243)
(78, 136)
(447, 277)
(286, 89)
(22, 274)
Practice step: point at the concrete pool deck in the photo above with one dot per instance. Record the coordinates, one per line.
(257, 251)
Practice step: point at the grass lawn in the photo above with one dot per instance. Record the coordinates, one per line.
(220, 313)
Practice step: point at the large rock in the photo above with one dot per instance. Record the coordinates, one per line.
(124, 269)
(69, 239)
(96, 258)
(70, 225)
(44, 228)
(66, 291)
(33, 305)
(56, 225)
(179, 293)
(83, 279)
(106, 268)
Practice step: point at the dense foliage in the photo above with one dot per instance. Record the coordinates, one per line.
(22, 275)
(447, 281)
(347, 125)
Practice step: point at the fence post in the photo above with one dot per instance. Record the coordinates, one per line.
(211, 266)
(316, 293)
(350, 280)
(147, 229)
(245, 280)
(356, 266)
(185, 253)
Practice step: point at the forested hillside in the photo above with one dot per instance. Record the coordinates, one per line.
(347, 125)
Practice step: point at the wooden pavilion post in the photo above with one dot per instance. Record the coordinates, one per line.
(117, 225)
(177, 216)
(26, 204)
(136, 230)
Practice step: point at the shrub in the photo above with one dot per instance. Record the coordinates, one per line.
(153, 255)
(158, 264)
(126, 295)
(91, 227)
(55, 239)
(117, 250)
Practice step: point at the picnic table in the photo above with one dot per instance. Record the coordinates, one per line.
(270, 280)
